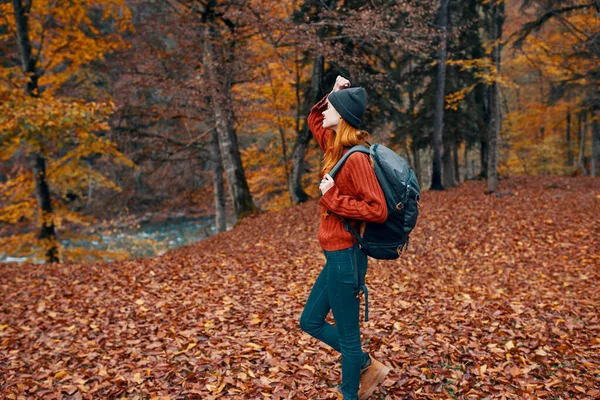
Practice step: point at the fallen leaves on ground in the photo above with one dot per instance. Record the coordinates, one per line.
(497, 297)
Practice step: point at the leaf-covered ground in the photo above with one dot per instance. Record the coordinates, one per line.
(497, 297)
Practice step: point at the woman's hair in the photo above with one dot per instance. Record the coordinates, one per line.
(345, 137)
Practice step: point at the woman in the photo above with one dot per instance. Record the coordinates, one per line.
(355, 196)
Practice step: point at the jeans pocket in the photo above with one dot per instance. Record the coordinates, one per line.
(345, 272)
(346, 279)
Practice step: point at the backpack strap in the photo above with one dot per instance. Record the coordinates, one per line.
(359, 282)
(358, 148)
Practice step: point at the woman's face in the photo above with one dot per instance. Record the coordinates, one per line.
(331, 118)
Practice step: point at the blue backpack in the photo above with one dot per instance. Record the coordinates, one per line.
(402, 193)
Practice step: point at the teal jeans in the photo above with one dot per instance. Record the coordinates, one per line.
(337, 289)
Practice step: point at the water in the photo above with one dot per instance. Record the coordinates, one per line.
(148, 240)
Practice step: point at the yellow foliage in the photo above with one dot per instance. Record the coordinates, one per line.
(64, 38)
(267, 178)
(454, 100)
(484, 72)
(65, 131)
(25, 244)
(13, 213)
(268, 110)
(535, 124)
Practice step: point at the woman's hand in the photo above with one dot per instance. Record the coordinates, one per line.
(326, 184)
(340, 83)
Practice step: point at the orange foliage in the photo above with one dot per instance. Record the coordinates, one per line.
(534, 126)
(66, 131)
(267, 110)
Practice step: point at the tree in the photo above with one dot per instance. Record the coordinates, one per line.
(38, 161)
(207, 51)
(303, 134)
(220, 85)
(55, 133)
(218, 184)
(162, 120)
(436, 176)
(555, 59)
(595, 147)
(496, 23)
(582, 137)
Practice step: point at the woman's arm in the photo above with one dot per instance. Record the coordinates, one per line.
(315, 119)
(315, 123)
(367, 202)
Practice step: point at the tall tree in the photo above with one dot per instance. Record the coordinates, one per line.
(303, 135)
(38, 161)
(220, 100)
(162, 119)
(438, 123)
(582, 137)
(568, 132)
(481, 101)
(218, 184)
(497, 22)
(59, 134)
(595, 147)
(309, 13)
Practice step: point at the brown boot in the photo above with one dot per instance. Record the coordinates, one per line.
(371, 378)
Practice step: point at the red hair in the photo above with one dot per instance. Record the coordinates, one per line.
(345, 137)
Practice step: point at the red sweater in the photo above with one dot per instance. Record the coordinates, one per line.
(355, 196)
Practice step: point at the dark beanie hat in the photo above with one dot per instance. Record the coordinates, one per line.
(350, 103)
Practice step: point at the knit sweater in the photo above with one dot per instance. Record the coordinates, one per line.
(356, 195)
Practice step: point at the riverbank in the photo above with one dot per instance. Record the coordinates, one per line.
(132, 237)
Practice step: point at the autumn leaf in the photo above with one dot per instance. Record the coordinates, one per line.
(465, 329)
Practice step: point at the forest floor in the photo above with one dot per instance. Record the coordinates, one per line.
(496, 297)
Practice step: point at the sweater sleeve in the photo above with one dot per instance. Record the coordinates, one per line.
(367, 202)
(315, 123)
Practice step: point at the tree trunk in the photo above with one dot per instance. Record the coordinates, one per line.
(303, 135)
(569, 151)
(218, 183)
(47, 234)
(414, 149)
(280, 126)
(497, 21)
(595, 147)
(448, 167)
(582, 134)
(417, 163)
(484, 140)
(90, 187)
(456, 167)
(481, 97)
(438, 123)
(466, 165)
(230, 155)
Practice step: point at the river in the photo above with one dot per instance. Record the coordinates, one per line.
(148, 240)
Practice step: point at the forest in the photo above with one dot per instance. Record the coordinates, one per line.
(135, 110)
(159, 185)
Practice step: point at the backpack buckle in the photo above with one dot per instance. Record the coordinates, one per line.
(399, 206)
